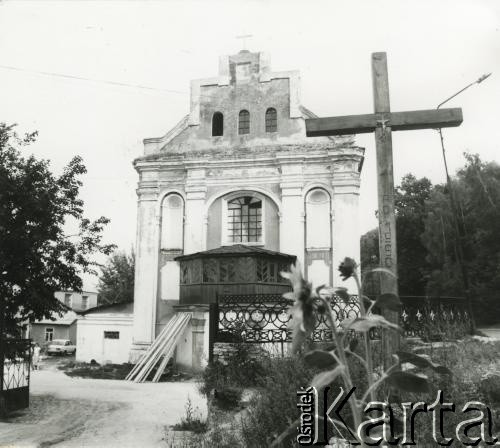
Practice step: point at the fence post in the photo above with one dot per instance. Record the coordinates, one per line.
(213, 328)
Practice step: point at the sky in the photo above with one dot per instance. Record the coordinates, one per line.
(434, 49)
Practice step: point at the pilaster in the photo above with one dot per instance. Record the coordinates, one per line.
(196, 191)
(292, 207)
(146, 268)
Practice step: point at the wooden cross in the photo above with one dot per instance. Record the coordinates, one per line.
(383, 122)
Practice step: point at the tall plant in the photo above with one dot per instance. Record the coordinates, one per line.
(333, 362)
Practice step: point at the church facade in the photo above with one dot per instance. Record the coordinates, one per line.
(239, 170)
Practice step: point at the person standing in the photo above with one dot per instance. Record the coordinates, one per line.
(35, 360)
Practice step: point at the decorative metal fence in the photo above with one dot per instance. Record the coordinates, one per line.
(15, 366)
(434, 318)
(264, 318)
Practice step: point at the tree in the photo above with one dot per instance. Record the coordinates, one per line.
(116, 283)
(477, 192)
(427, 237)
(410, 204)
(369, 261)
(37, 257)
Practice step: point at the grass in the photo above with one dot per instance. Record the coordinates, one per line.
(94, 370)
(114, 371)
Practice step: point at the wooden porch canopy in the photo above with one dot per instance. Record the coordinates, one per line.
(234, 270)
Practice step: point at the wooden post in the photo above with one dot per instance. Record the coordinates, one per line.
(383, 122)
(385, 187)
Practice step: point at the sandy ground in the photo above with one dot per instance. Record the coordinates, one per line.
(77, 412)
(492, 331)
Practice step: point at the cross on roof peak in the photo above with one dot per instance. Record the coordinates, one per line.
(244, 37)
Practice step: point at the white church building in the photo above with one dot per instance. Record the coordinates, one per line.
(238, 172)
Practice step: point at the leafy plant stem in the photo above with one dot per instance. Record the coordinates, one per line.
(346, 374)
(377, 383)
(366, 338)
(359, 358)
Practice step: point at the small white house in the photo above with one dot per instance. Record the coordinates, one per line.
(104, 334)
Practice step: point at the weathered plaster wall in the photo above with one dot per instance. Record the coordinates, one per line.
(91, 343)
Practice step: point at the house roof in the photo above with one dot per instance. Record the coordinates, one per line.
(235, 250)
(119, 308)
(66, 319)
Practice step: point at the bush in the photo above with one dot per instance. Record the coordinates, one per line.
(470, 361)
(274, 407)
(240, 369)
(227, 397)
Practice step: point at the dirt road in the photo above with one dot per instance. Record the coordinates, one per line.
(76, 412)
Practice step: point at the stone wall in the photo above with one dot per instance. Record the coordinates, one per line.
(222, 351)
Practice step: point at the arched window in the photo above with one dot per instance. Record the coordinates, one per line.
(271, 120)
(244, 220)
(217, 124)
(244, 122)
(318, 220)
(172, 222)
(172, 239)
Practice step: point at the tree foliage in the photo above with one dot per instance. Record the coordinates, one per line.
(427, 237)
(37, 258)
(410, 199)
(116, 283)
(477, 193)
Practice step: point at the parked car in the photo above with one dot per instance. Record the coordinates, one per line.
(61, 347)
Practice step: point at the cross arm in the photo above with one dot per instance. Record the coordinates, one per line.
(398, 121)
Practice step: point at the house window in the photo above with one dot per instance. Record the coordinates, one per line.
(244, 220)
(67, 300)
(49, 334)
(111, 335)
(85, 302)
(244, 122)
(271, 120)
(217, 124)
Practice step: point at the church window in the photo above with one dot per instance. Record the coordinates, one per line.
(245, 220)
(244, 122)
(318, 220)
(172, 222)
(217, 124)
(271, 120)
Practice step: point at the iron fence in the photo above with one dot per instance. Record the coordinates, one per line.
(265, 318)
(15, 364)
